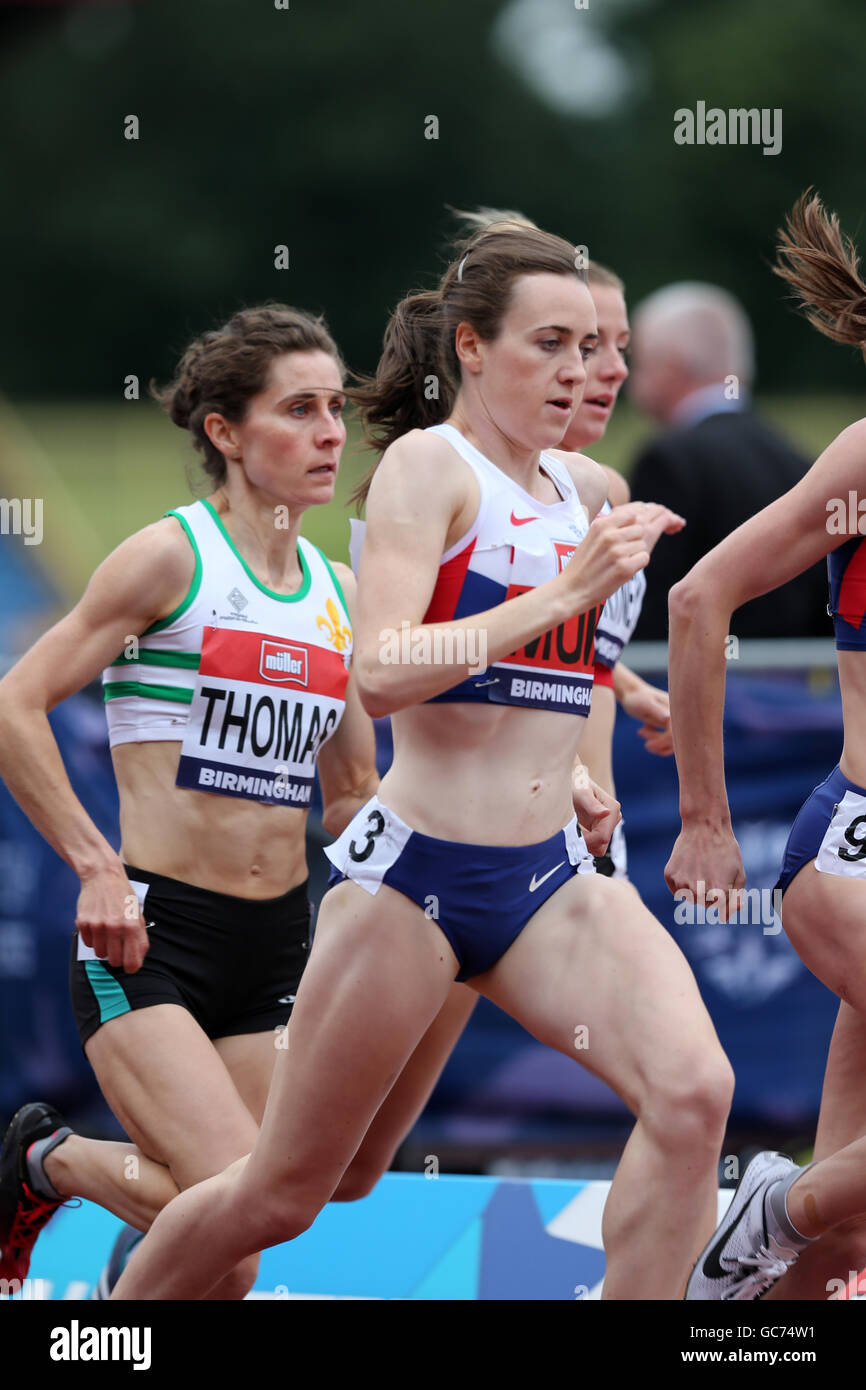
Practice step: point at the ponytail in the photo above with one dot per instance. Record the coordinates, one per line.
(821, 265)
(413, 387)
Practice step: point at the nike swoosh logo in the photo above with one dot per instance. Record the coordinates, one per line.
(522, 520)
(287, 999)
(712, 1268)
(537, 882)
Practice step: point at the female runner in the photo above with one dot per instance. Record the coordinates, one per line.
(224, 640)
(471, 865)
(779, 1210)
(606, 370)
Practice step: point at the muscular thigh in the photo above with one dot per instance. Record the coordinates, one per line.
(249, 1059)
(824, 916)
(596, 976)
(378, 974)
(171, 1091)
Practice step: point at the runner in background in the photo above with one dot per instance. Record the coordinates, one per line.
(780, 1211)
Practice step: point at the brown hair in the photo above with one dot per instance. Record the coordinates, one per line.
(821, 265)
(484, 218)
(223, 369)
(418, 375)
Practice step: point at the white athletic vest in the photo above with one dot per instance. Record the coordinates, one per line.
(515, 543)
(253, 682)
(619, 616)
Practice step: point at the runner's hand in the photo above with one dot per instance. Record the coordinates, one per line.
(617, 545)
(597, 811)
(706, 862)
(651, 705)
(109, 919)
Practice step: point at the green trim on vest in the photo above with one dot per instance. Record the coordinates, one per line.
(109, 993)
(271, 593)
(193, 588)
(115, 690)
(336, 581)
(149, 656)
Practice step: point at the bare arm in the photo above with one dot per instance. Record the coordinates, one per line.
(347, 762)
(780, 542)
(415, 495)
(143, 579)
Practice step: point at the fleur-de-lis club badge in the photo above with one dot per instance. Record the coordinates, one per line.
(332, 627)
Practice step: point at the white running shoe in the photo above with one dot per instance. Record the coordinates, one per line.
(743, 1259)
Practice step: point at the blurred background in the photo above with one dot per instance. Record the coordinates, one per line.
(307, 126)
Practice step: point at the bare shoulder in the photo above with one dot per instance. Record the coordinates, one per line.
(160, 543)
(848, 448)
(838, 470)
(417, 471)
(156, 565)
(589, 477)
(618, 490)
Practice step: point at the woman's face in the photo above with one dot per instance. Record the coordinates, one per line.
(530, 377)
(292, 434)
(606, 370)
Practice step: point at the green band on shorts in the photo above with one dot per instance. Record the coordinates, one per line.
(109, 994)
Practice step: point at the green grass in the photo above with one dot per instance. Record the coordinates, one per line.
(124, 464)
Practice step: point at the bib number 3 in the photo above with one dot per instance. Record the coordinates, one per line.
(376, 824)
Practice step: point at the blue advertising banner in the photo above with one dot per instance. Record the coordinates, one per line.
(411, 1238)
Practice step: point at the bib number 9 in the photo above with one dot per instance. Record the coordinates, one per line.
(859, 843)
(377, 821)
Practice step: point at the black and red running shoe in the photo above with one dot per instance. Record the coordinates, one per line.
(22, 1212)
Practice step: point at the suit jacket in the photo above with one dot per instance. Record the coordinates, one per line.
(717, 473)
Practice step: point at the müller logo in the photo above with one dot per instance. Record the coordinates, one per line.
(280, 662)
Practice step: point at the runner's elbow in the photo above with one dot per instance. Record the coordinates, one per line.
(375, 690)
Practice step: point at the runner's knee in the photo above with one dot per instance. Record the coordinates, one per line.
(279, 1215)
(691, 1108)
(359, 1180)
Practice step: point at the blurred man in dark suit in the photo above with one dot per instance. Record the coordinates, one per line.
(716, 463)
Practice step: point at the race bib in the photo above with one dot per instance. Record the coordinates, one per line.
(843, 848)
(261, 710)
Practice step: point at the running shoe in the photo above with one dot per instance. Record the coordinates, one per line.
(117, 1260)
(744, 1259)
(22, 1212)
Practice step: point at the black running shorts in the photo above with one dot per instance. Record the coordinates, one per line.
(234, 963)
